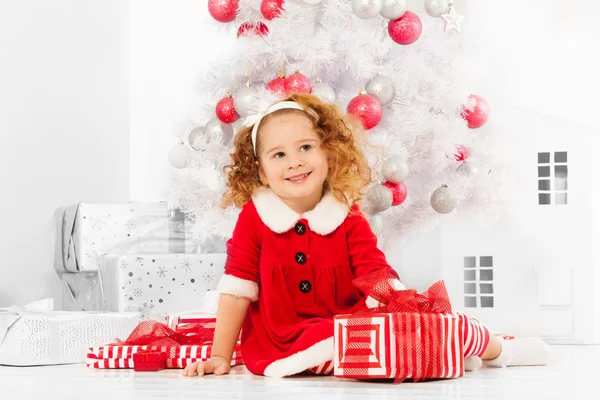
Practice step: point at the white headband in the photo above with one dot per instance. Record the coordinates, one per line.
(256, 118)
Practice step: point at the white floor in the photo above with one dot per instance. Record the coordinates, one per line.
(575, 374)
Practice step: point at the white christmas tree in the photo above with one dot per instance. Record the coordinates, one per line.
(410, 79)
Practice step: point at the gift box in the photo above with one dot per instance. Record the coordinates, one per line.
(83, 231)
(158, 284)
(115, 356)
(45, 337)
(398, 346)
(409, 336)
(151, 337)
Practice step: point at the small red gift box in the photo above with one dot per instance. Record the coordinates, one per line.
(149, 361)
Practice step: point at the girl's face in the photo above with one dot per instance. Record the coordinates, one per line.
(292, 161)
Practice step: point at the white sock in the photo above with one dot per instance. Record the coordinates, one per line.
(521, 352)
(472, 363)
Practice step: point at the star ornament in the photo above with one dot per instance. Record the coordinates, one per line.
(452, 20)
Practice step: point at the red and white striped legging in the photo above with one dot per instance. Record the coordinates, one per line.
(476, 337)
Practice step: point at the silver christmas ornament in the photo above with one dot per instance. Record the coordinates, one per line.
(324, 91)
(245, 101)
(393, 9)
(366, 9)
(376, 222)
(436, 8)
(468, 169)
(179, 156)
(395, 169)
(380, 198)
(195, 136)
(382, 88)
(443, 200)
(215, 127)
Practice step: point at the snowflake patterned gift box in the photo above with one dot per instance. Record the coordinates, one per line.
(54, 337)
(158, 284)
(83, 231)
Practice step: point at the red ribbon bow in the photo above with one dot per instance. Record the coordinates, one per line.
(379, 286)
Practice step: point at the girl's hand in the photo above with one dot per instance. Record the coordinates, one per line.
(216, 365)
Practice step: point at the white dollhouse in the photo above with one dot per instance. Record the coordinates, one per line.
(537, 272)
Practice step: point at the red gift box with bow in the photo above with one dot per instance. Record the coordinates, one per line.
(151, 341)
(414, 336)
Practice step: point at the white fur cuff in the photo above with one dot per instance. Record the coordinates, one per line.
(229, 284)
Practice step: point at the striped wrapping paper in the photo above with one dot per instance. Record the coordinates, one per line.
(114, 356)
(429, 345)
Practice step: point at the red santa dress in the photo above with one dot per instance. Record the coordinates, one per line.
(298, 272)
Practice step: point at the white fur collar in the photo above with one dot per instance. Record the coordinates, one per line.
(323, 219)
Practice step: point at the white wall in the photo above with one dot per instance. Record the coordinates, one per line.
(170, 47)
(64, 72)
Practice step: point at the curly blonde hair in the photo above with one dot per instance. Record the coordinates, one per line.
(341, 140)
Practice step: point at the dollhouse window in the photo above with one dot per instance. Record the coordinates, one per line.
(552, 178)
(478, 281)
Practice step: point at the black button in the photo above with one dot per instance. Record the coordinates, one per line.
(300, 258)
(300, 228)
(305, 286)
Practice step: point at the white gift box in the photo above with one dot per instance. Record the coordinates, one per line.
(29, 338)
(153, 284)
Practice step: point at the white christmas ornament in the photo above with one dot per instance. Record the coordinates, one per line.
(179, 156)
(393, 9)
(214, 127)
(245, 101)
(452, 20)
(324, 91)
(382, 88)
(468, 169)
(395, 169)
(443, 200)
(436, 8)
(366, 9)
(194, 135)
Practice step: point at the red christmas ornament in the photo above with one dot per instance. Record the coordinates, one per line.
(271, 8)
(406, 29)
(277, 85)
(399, 192)
(461, 153)
(250, 28)
(297, 83)
(226, 111)
(366, 108)
(478, 115)
(223, 10)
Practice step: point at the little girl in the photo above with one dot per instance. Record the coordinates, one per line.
(299, 242)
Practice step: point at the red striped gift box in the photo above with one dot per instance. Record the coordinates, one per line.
(116, 356)
(405, 345)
